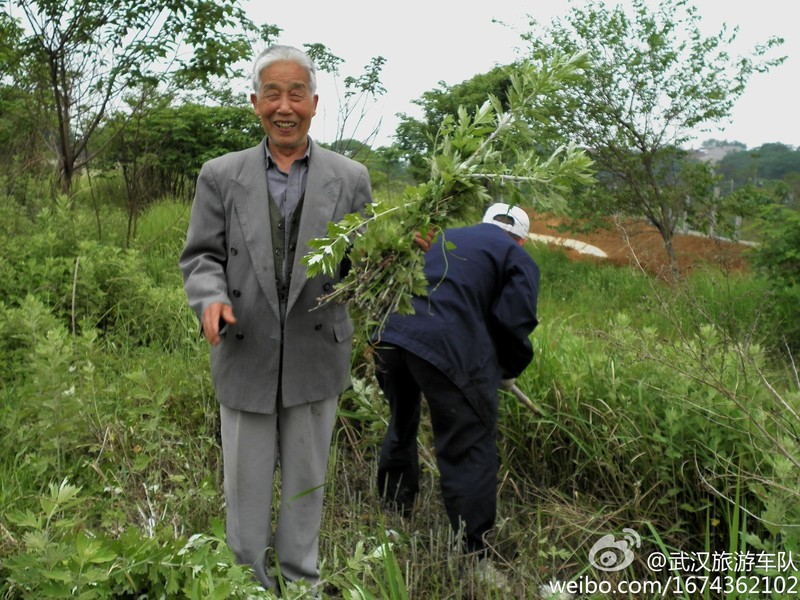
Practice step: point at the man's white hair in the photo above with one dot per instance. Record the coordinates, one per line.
(278, 53)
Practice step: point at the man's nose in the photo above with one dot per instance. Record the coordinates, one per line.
(284, 105)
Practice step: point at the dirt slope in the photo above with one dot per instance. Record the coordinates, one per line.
(625, 242)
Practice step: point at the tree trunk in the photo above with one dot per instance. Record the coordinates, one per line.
(59, 83)
(674, 265)
(66, 173)
(666, 224)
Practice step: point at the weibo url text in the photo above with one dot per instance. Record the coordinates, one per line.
(690, 584)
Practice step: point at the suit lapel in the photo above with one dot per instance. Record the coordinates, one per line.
(250, 199)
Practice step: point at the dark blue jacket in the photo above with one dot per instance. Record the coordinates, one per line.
(475, 323)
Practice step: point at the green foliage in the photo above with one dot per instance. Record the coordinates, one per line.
(160, 235)
(162, 150)
(370, 571)
(779, 254)
(653, 75)
(59, 558)
(388, 175)
(360, 95)
(464, 172)
(777, 259)
(107, 405)
(672, 406)
(11, 35)
(40, 252)
(767, 162)
(95, 284)
(22, 152)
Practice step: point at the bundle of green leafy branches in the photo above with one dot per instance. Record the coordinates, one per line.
(478, 158)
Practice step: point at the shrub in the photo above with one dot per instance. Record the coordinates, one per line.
(777, 259)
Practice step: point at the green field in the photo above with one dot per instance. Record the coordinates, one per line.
(666, 408)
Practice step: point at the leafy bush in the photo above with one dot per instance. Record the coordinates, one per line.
(777, 258)
(59, 557)
(672, 427)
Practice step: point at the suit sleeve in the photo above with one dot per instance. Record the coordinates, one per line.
(513, 315)
(204, 255)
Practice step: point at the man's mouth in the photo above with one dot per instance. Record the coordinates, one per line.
(284, 124)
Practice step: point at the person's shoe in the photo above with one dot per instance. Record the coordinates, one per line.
(485, 573)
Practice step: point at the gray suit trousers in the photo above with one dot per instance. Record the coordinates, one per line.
(298, 440)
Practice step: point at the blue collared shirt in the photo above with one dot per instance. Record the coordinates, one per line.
(286, 189)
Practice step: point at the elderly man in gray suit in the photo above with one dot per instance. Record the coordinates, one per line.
(278, 360)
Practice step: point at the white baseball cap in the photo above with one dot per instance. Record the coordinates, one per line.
(511, 218)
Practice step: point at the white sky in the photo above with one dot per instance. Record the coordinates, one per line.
(427, 41)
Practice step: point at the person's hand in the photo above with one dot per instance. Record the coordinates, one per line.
(424, 242)
(507, 384)
(215, 315)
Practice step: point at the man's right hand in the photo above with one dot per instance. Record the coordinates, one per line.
(213, 316)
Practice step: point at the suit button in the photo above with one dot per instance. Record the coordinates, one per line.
(277, 252)
(318, 326)
(236, 293)
(327, 287)
(234, 251)
(239, 335)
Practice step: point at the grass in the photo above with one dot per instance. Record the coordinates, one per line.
(663, 409)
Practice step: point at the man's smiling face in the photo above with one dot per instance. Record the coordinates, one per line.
(285, 105)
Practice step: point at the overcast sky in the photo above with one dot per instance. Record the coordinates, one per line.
(427, 41)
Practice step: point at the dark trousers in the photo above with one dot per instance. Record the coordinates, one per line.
(466, 448)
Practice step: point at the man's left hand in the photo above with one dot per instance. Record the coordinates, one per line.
(426, 241)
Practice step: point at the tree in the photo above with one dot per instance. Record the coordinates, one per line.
(654, 78)
(792, 181)
(20, 148)
(11, 35)
(80, 56)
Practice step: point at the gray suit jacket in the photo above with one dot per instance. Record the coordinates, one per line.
(228, 257)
